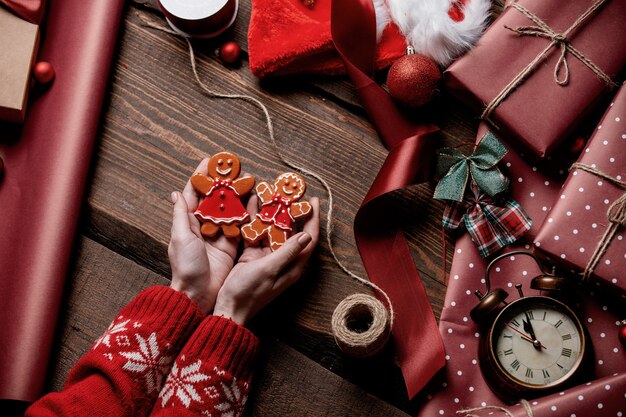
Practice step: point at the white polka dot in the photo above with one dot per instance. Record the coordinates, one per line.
(605, 308)
(547, 183)
(611, 159)
(456, 400)
(453, 303)
(600, 405)
(450, 330)
(477, 334)
(575, 231)
(600, 362)
(510, 284)
(624, 136)
(607, 387)
(471, 389)
(441, 412)
(497, 269)
(544, 208)
(532, 194)
(587, 150)
(468, 292)
(562, 196)
(550, 220)
(599, 127)
(520, 179)
(556, 237)
(575, 173)
(569, 213)
(590, 320)
(619, 177)
(553, 408)
(512, 258)
(615, 350)
(614, 280)
(606, 201)
(580, 398)
(539, 244)
(459, 250)
(462, 346)
(471, 265)
(524, 273)
(562, 393)
(607, 261)
(587, 207)
(447, 357)
(484, 404)
(602, 334)
(581, 250)
(605, 142)
(573, 415)
(474, 361)
(599, 183)
(563, 256)
(617, 119)
(594, 225)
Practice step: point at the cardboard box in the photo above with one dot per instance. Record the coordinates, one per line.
(19, 41)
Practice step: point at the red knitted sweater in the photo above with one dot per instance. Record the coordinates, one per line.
(159, 357)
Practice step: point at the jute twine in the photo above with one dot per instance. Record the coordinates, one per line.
(615, 214)
(561, 40)
(356, 306)
(468, 412)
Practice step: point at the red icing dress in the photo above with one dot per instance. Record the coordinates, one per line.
(277, 213)
(222, 205)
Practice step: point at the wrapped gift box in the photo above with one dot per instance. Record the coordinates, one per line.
(19, 40)
(579, 219)
(539, 113)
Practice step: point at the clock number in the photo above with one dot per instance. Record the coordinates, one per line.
(508, 352)
(544, 315)
(558, 324)
(530, 315)
(514, 323)
(508, 336)
(567, 336)
(515, 365)
(529, 373)
(545, 373)
(566, 352)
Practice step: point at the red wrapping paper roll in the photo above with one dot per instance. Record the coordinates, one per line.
(46, 166)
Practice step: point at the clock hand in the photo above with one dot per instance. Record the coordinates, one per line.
(526, 338)
(528, 328)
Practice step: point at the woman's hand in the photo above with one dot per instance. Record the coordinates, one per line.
(261, 275)
(199, 265)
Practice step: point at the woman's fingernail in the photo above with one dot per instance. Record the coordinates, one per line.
(174, 197)
(304, 239)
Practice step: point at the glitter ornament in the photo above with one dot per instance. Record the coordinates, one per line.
(413, 79)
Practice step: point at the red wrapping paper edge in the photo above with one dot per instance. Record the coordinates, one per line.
(42, 191)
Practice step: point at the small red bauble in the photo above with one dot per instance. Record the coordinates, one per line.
(229, 53)
(413, 79)
(622, 333)
(578, 145)
(43, 72)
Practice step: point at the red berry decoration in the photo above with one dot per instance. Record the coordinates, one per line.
(622, 333)
(43, 72)
(413, 79)
(229, 53)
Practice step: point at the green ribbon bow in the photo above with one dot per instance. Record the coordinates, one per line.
(455, 169)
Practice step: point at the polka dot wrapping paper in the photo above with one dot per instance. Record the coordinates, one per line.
(576, 224)
(461, 384)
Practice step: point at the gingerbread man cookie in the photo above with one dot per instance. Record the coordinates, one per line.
(279, 210)
(221, 207)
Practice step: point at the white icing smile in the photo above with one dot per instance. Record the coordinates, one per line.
(287, 191)
(223, 172)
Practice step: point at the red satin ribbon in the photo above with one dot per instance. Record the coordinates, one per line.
(30, 10)
(383, 247)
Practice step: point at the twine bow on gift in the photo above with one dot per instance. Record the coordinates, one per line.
(556, 39)
(616, 215)
(492, 223)
(455, 169)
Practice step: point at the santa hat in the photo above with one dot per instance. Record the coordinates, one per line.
(287, 37)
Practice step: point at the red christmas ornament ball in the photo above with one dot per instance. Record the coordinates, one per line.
(230, 53)
(43, 72)
(413, 80)
(622, 333)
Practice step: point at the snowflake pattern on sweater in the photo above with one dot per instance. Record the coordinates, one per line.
(159, 358)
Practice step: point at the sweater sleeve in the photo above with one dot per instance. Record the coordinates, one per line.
(212, 374)
(124, 370)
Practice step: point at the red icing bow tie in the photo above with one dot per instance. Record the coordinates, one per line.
(29, 10)
(278, 199)
(223, 183)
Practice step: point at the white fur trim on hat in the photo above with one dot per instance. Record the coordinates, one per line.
(428, 27)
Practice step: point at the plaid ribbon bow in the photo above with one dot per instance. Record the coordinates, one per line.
(492, 223)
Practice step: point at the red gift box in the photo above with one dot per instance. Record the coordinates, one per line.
(584, 229)
(538, 112)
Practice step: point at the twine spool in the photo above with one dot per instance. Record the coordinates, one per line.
(199, 18)
(360, 325)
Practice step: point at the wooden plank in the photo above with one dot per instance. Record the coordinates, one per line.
(158, 126)
(286, 382)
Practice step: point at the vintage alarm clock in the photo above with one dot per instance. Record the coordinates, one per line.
(534, 345)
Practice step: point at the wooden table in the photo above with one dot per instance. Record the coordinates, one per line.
(157, 126)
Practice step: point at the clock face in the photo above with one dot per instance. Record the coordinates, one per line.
(537, 342)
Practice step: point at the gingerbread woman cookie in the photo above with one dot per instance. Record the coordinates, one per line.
(279, 210)
(221, 207)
